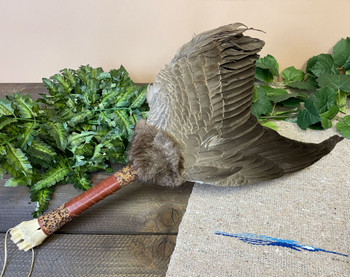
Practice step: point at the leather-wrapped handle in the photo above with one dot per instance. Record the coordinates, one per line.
(55, 219)
(88, 198)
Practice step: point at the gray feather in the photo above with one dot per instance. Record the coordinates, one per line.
(202, 101)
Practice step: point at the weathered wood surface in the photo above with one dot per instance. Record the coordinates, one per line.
(137, 208)
(93, 255)
(33, 89)
(130, 233)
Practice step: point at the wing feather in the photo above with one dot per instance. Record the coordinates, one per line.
(203, 98)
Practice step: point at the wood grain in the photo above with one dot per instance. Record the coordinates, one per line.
(93, 255)
(33, 89)
(137, 208)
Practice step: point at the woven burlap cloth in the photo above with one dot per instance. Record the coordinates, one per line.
(297, 225)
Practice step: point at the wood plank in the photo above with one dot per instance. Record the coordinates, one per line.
(24, 88)
(93, 255)
(137, 208)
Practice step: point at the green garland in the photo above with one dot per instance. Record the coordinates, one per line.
(312, 98)
(83, 125)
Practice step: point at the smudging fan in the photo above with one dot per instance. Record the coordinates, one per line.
(200, 128)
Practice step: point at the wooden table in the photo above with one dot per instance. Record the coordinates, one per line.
(130, 233)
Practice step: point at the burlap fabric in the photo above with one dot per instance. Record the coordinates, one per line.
(297, 225)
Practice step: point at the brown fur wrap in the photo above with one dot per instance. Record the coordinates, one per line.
(156, 156)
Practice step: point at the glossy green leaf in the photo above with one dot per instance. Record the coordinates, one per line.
(57, 131)
(343, 126)
(5, 107)
(17, 159)
(275, 94)
(291, 74)
(41, 150)
(269, 124)
(49, 85)
(324, 99)
(28, 135)
(309, 84)
(262, 105)
(341, 51)
(341, 101)
(75, 140)
(322, 64)
(337, 82)
(5, 120)
(80, 117)
(327, 116)
(42, 197)
(308, 116)
(15, 182)
(139, 98)
(269, 63)
(52, 177)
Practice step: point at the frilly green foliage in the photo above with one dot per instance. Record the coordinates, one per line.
(311, 98)
(84, 124)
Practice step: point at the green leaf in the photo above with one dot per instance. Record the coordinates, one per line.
(97, 156)
(139, 99)
(41, 150)
(81, 180)
(24, 105)
(17, 159)
(347, 66)
(42, 198)
(341, 101)
(14, 182)
(59, 133)
(327, 116)
(124, 99)
(104, 76)
(291, 74)
(5, 107)
(69, 77)
(309, 84)
(322, 63)
(263, 75)
(84, 114)
(124, 122)
(28, 134)
(262, 105)
(266, 69)
(79, 160)
(337, 82)
(343, 126)
(108, 98)
(49, 85)
(76, 139)
(64, 84)
(341, 51)
(324, 99)
(52, 177)
(4, 120)
(269, 63)
(269, 124)
(275, 94)
(308, 116)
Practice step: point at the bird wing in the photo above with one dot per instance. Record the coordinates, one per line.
(203, 98)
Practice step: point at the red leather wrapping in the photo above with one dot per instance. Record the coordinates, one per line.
(88, 198)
